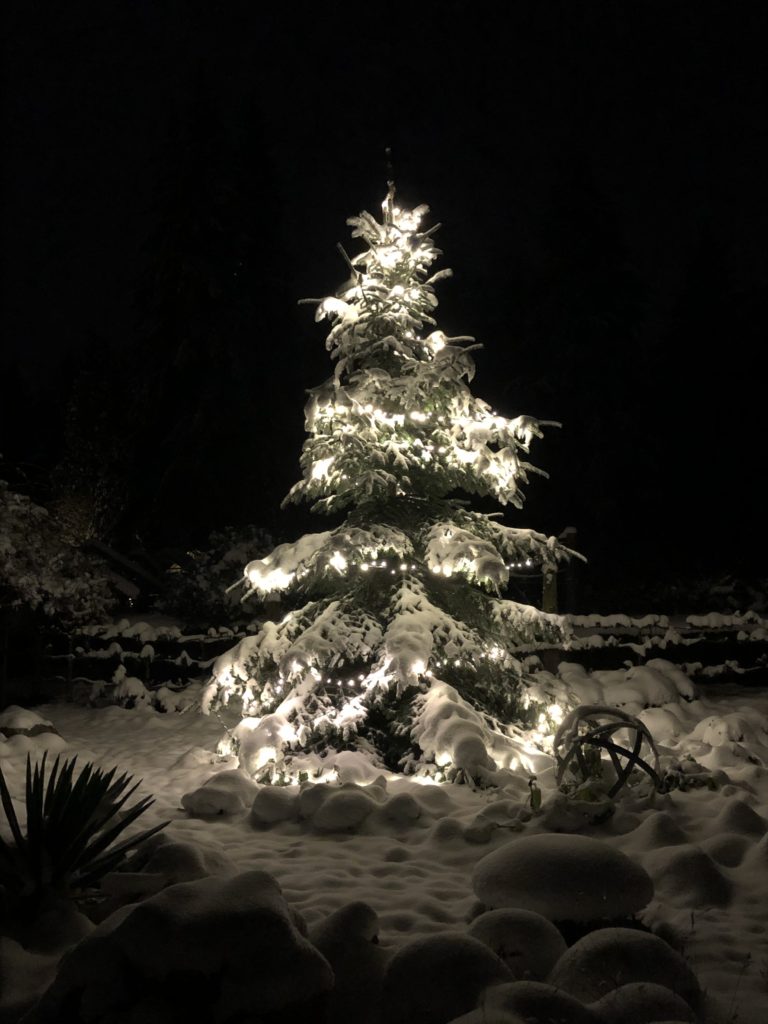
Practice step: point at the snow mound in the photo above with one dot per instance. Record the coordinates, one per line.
(685, 876)
(344, 810)
(402, 809)
(348, 939)
(738, 816)
(15, 720)
(526, 942)
(354, 766)
(227, 792)
(727, 848)
(450, 732)
(641, 1002)
(484, 1016)
(25, 732)
(562, 877)
(592, 966)
(433, 978)
(273, 804)
(178, 861)
(212, 949)
(537, 1001)
(659, 828)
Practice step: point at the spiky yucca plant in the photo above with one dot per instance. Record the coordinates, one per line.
(72, 826)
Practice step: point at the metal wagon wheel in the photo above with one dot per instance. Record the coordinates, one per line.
(572, 740)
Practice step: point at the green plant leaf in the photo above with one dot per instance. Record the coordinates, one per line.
(10, 813)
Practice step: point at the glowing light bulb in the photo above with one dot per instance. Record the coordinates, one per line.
(338, 561)
(321, 467)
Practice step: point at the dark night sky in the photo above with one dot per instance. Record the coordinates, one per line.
(599, 171)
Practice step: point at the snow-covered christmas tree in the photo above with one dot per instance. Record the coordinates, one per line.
(400, 644)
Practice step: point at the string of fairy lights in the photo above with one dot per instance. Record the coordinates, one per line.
(363, 682)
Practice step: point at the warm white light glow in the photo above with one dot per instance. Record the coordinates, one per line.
(321, 467)
(338, 561)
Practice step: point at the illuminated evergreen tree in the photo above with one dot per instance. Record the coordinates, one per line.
(405, 647)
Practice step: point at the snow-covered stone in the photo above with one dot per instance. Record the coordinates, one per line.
(738, 816)
(22, 975)
(343, 810)
(726, 848)
(311, 796)
(526, 942)
(433, 978)
(18, 721)
(659, 828)
(401, 809)
(537, 1001)
(177, 861)
(227, 792)
(25, 732)
(273, 804)
(207, 950)
(595, 964)
(641, 1002)
(686, 877)
(487, 1016)
(562, 877)
(355, 766)
(348, 939)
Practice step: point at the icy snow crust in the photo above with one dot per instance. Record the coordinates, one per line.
(365, 855)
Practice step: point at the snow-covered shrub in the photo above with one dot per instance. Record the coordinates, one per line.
(40, 570)
(197, 589)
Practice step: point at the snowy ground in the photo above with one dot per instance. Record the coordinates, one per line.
(707, 854)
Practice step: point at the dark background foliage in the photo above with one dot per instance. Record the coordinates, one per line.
(177, 175)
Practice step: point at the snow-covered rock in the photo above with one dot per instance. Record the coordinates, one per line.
(214, 949)
(311, 795)
(641, 1002)
(227, 792)
(596, 964)
(177, 861)
(738, 816)
(274, 804)
(727, 849)
(433, 978)
(537, 1001)
(482, 1015)
(25, 732)
(685, 876)
(562, 877)
(402, 809)
(18, 721)
(348, 939)
(659, 828)
(343, 810)
(22, 975)
(526, 942)
(355, 766)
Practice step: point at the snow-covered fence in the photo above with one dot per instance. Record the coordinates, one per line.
(709, 646)
(706, 646)
(155, 654)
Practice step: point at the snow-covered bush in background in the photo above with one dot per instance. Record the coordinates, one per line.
(197, 590)
(41, 571)
(400, 608)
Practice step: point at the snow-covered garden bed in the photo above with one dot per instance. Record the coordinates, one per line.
(391, 899)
